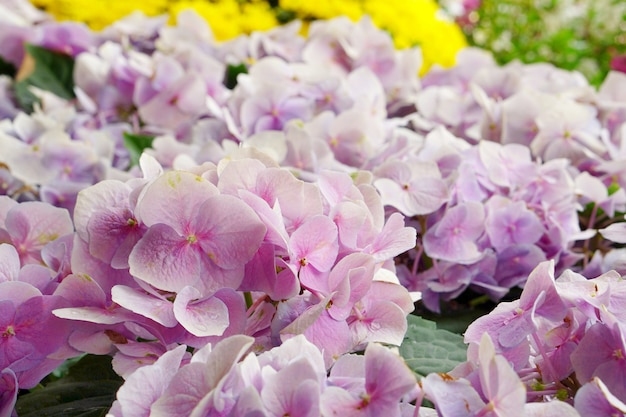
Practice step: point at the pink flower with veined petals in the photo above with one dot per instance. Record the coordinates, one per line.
(196, 236)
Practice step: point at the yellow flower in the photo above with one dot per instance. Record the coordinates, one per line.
(325, 9)
(99, 13)
(230, 18)
(410, 22)
(419, 23)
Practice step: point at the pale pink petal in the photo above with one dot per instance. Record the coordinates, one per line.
(9, 263)
(207, 316)
(174, 199)
(137, 301)
(144, 386)
(228, 231)
(315, 243)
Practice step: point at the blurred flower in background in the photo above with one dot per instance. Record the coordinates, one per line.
(411, 23)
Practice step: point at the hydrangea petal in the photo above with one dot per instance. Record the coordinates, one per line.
(137, 301)
(144, 386)
(200, 316)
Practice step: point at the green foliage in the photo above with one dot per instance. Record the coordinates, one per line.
(53, 72)
(427, 349)
(7, 68)
(232, 71)
(136, 144)
(573, 35)
(86, 390)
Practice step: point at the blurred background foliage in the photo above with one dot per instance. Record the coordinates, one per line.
(584, 35)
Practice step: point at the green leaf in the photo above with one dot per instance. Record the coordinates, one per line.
(136, 144)
(232, 71)
(87, 390)
(427, 349)
(52, 71)
(7, 68)
(25, 98)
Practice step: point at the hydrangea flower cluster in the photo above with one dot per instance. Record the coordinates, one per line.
(274, 210)
(289, 380)
(561, 343)
(182, 257)
(34, 255)
(183, 248)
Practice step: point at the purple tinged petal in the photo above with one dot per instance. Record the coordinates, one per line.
(249, 404)
(9, 263)
(166, 260)
(594, 399)
(144, 386)
(393, 240)
(304, 319)
(180, 102)
(291, 350)
(8, 392)
(239, 175)
(270, 216)
(384, 322)
(315, 243)
(615, 232)
(17, 292)
(133, 355)
(34, 224)
(293, 391)
(228, 231)
(207, 316)
(298, 200)
(451, 396)
(194, 383)
(261, 275)
(336, 401)
(332, 337)
(454, 237)
(142, 303)
(350, 280)
(387, 379)
(112, 236)
(500, 383)
(541, 281)
(512, 223)
(515, 264)
(600, 354)
(107, 199)
(95, 315)
(420, 192)
(553, 408)
(516, 330)
(174, 199)
(81, 290)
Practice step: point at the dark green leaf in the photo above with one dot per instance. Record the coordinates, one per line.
(87, 390)
(73, 398)
(53, 72)
(24, 97)
(232, 71)
(7, 68)
(136, 144)
(427, 349)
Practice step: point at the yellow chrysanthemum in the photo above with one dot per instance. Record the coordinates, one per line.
(229, 18)
(324, 9)
(410, 22)
(99, 13)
